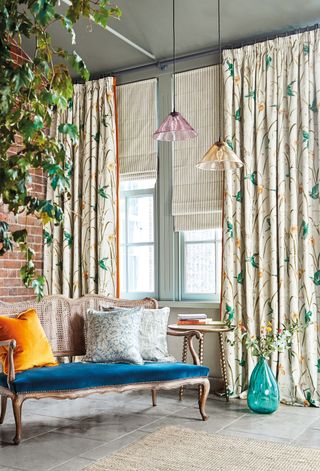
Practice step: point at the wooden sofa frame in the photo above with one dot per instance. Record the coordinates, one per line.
(74, 310)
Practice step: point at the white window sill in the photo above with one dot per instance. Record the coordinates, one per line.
(190, 304)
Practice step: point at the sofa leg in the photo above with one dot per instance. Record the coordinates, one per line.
(154, 397)
(203, 399)
(17, 405)
(4, 401)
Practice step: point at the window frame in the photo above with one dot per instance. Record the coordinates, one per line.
(168, 287)
(139, 193)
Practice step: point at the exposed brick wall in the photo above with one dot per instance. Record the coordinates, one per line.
(11, 286)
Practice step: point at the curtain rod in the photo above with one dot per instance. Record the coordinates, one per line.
(163, 64)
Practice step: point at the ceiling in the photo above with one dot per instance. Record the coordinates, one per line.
(148, 23)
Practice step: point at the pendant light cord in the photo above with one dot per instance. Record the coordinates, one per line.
(220, 67)
(174, 52)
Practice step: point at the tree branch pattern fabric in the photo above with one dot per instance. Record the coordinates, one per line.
(80, 255)
(271, 224)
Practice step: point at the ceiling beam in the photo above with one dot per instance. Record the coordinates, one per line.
(123, 38)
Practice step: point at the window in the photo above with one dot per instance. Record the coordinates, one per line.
(137, 238)
(200, 264)
(164, 199)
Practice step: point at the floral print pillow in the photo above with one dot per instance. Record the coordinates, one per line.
(113, 337)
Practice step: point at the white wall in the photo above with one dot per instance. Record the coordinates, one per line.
(211, 341)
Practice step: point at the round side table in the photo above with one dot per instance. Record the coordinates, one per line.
(219, 329)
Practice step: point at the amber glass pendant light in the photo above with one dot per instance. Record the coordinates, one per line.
(219, 157)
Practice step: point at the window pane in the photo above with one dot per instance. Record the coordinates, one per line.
(140, 219)
(208, 234)
(127, 185)
(200, 268)
(141, 269)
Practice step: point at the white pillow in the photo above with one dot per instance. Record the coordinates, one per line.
(153, 333)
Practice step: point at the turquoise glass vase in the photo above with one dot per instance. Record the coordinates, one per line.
(263, 393)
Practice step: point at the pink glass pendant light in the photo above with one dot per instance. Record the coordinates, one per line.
(175, 127)
(220, 156)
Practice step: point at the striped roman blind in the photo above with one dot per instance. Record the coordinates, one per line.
(137, 120)
(197, 194)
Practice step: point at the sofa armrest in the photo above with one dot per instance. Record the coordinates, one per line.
(189, 334)
(11, 344)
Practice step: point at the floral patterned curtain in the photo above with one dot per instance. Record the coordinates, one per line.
(80, 256)
(271, 225)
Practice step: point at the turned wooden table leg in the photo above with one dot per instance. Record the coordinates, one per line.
(184, 360)
(201, 354)
(224, 366)
(4, 401)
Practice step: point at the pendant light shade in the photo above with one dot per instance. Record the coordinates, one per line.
(219, 158)
(175, 127)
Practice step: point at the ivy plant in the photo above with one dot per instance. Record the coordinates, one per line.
(30, 93)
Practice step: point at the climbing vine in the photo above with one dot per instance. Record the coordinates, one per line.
(29, 95)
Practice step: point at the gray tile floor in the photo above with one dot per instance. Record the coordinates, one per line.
(69, 435)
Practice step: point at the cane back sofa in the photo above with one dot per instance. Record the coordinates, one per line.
(63, 323)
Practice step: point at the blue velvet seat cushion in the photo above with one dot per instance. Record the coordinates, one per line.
(89, 375)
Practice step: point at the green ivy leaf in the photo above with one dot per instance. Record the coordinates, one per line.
(38, 287)
(28, 126)
(318, 365)
(70, 129)
(20, 236)
(43, 10)
(48, 238)
(79, 66)
(68, 24)
(22, 77)
(6, 243)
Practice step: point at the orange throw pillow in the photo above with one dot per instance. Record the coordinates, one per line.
(33, 348)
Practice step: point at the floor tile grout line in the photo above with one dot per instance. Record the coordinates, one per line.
(228, 425)
(70, 459)
(304, 430)
(135, 430)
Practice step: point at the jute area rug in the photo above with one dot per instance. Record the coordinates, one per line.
(177, 449)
